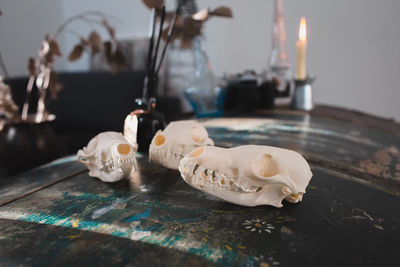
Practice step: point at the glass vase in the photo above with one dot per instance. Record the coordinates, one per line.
(203, 93)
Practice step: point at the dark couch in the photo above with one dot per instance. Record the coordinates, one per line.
(90, 103)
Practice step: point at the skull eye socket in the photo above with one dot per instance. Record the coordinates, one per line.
(265, 166)
(196, 152)
(159, 140)
(124, 149)
(199, 134)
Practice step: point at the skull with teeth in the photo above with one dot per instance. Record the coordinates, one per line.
(168, 147)
(248, 175)
(108, 156)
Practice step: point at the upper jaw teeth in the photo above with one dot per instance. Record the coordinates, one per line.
(201, 176)
(116, 164)
(161, 154)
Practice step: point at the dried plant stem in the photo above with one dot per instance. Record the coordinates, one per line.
(158, 39)
(82, 16)
(43, 85)
(148, 78)
(3, 67)
(170, 32)
(153, 75)
(27, 97)
(40, 107)
(74, 33)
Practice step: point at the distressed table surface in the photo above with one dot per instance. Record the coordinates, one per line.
(58, 215)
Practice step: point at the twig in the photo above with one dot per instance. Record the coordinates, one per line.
(27, 97)
(158, 39)
(153, 75)
(3, 67)
(82, 16)
(170, 32)
(148, 77)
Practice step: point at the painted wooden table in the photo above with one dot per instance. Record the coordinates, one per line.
(350, 216)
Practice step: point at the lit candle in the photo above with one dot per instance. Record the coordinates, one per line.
(301, 50)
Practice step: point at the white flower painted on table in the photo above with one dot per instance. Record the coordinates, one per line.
(257, 225)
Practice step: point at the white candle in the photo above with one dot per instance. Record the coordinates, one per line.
(301, 50)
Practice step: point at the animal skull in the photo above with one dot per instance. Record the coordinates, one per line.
(108, 156)
(179, 138)
(248, 175)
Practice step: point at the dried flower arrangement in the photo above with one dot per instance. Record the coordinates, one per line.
(153, 64)
(41, 68)
(188, 27)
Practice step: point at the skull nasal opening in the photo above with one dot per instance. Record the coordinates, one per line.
(159, 140)
(265, 166)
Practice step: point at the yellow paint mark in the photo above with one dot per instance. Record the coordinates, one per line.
(241, 247)
(264, 264)
(74, 236)
(75, 224)
(313, 187)
(228, 247)
(204, 239)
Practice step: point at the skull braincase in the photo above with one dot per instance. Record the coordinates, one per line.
(248, 175)
(108, 156)
(179, 138)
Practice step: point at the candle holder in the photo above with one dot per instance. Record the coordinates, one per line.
(302, 97)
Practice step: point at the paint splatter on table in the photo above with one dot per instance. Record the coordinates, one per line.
(58, 215)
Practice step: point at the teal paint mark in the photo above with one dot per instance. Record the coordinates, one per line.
(140, 216)
(120, 234)
(117, 204)
(225, 257)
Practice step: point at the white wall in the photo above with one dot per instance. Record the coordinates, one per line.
(353, 46)
(22, 28)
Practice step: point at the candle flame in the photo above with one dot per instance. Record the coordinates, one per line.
(303, 29)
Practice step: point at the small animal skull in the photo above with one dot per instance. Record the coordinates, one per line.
(248, 175)
(168, 147)
(108, 156)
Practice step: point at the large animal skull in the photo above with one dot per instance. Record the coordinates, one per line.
(168, 147)
(248, 175)
(108, 156)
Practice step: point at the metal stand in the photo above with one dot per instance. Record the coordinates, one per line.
(302, 98)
